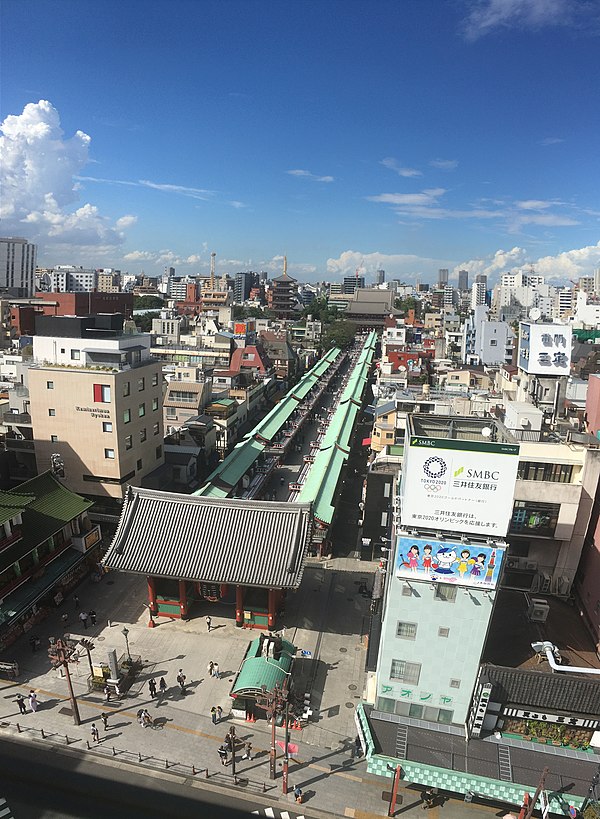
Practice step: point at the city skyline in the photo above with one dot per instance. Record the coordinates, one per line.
(342, 135)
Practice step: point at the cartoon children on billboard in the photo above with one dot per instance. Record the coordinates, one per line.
(447, 562)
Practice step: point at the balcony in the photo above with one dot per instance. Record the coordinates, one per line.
(19, 444)
(15, 535)
(23, 418)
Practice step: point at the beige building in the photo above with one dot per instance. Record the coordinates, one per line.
(96, 401)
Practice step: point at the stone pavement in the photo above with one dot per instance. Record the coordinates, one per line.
(326, 616)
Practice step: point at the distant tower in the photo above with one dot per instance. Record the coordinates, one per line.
(463, 280)
(442, 277)
(213, 256)
(379, 277)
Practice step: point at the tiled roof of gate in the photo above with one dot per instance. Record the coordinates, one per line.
(218, 540)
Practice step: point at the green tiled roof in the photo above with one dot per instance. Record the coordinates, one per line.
(258, 671)
(235, 466)
(48, 506)
(11, 505)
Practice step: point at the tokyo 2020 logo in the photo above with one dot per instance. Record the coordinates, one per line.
(435, 467)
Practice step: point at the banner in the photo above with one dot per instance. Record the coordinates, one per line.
(466, 564)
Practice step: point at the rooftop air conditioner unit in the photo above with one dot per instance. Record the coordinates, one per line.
(531, 564)
(513, 563)
(538, 610)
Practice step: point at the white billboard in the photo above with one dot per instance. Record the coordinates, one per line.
(458, 486)
(545, 349)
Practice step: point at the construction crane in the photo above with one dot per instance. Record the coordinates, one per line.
(360, 267)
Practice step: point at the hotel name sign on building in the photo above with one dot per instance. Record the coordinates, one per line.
(459, 485)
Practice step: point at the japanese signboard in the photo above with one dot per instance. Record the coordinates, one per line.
(466, 564)
(458, 485)
(545, 349)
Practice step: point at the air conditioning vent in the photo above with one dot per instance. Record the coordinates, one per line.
(513, 563)
(531, 564)
(538, 610)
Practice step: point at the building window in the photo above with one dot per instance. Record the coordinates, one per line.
(109, 453)
(75, 355)
(443, 631)
(171, 412)
(139, 464)
(141, 384)
(407, 631)
(156, 429)
(141, 410)
(445, 592)
(142, 435)
(537, 519)
(126, 416)
(384, 519)
(493, 342)
(415, 711)
(154, 404)
(126, 389)
(158, 452)
(101, 394)
(405, 672)
(387, 489)
(128, 442)
(155, 380)
(445, 716)
(107, 426)
(49, 385)
(54, 439)
(52, 413)
(552, 473)
(454, 683)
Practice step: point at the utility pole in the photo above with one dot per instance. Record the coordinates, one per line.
(394, 793)
(61, 655)
(274, 703)
(232, 733)
(286, 756)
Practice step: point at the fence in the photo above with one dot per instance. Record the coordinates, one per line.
(146, 760)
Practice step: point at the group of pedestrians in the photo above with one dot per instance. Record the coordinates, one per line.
(213, 670)
(84, 616)
(31, 699)
(94, 730)
(216, 714)
(162, 686)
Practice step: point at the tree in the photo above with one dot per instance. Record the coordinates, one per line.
(338, 334)
(144, 322)
(147, 302)
(408, 303)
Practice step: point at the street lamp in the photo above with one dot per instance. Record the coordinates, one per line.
(125, 634)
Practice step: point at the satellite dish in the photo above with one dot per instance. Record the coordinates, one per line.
(486, 432)
(535, 313)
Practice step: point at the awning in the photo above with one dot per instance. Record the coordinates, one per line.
(366, 442)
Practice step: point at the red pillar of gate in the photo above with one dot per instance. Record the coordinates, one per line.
(239, 606)
(152, 607)
(183, 599)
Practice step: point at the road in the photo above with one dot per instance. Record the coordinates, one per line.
(38, 784)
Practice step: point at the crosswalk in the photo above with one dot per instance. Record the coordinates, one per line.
(5, 811)
(272, 814)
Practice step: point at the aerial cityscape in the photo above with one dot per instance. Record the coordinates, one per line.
(300, 428)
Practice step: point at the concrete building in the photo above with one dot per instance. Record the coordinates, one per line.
(109, 281)
(379, 277)
(96, 400)
(17, 266)
(478, 294)
(485, 341)
(71, 279)
(352, 284)
(242, 287)
(463, 280)
(442, 278)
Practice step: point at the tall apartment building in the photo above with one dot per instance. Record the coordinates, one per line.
(463, 280)
(17, 266)
(70, 279)
(352, 284)
(478, 294)
(442, 277)
(243, 284)
(95, 399)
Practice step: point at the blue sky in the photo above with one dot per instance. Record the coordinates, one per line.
(410, 135)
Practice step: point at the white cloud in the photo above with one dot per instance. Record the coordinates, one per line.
(426, 197)
(194, 193)
(395, 264)
(534, 204)
(488, 15)
(126, 221)
(308, 175)
(39, 183)
(569, 264)
(393, 165)
(551, 141)
(444, 164)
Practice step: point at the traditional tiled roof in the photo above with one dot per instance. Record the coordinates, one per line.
(537, 690)
(218, 540)
(47, 506)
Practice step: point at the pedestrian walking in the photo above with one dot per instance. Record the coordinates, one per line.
(152, 687)
(33, 701)
(106, 693)
(83, 616)
(181, 680)
(281, 480)
(219, 713)
(358, 747)
(65, 618)
(104, 718)
(223, 755)
(298, 794)
(210, 668)
(34, 643)
(216, 670)
(162, 685)
(76, 601)
(213, 715)
(21, 704)
(247, 751)
(229, 740)
(428, 797)
(92, 616)
(208, 623)
(95, 733)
